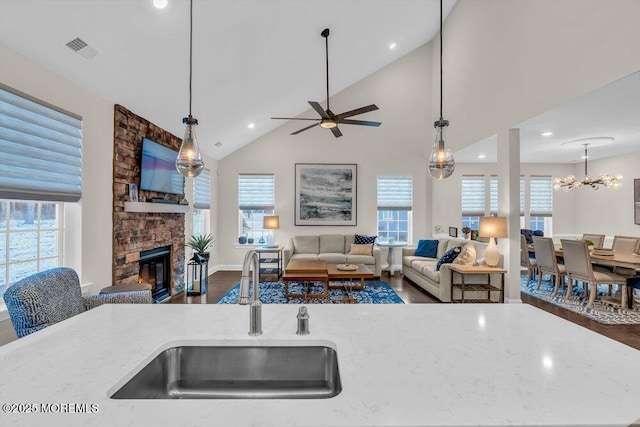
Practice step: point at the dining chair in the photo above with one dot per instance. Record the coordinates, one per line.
(548, 263)
(526, 261)
(51, 296)
(597, 239)
(625, 244)
(577, 261)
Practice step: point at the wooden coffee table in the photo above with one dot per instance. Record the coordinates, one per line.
(306, 271)
(362, 272)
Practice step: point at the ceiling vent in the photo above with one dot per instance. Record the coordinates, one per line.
(82, 48)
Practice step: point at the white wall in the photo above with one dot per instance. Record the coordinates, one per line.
(402, 91)
(608, 211)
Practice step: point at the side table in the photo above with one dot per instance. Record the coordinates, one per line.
(391, 255)
(467, 285)
(270, 259)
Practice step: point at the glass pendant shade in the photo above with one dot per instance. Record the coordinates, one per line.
(189, 161)
(441, 162)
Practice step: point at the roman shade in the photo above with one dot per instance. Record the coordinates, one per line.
(256, 192)
(202, 190)
(521, 195)
(541, 196)
(493, 195)
(41, 150)
(473, 195)
(395, 193)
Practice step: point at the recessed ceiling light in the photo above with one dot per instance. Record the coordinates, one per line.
(251, 125)
(160, 4)
(482, 156)
(546, 133)
(218, 144)
(392, 46)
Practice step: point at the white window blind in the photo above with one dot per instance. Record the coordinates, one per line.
(395, 193)
(522, 196)
(256, 192)
(493, 195)
(541, 196)
(473, 195)
(41, 150)
(202, 190)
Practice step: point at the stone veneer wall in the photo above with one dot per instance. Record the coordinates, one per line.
(137, 231)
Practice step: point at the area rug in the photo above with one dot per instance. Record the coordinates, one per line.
(273, 293)
(600, 312)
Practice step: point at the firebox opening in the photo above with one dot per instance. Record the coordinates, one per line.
(155, 269)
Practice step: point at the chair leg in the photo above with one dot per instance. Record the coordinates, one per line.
(592, 295)
(569, 287)
(623, 296)
(557, 282)
(539, 281)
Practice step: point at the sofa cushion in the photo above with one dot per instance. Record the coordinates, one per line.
(448, 257)
(442, 247)
(305, 257)
(364, 240)
(348, 240)
(427, 248)
(363, 249)
(306, 244)
(467, 255)
(409, 259)
(333, 257)
(332, 243)
(361, 259)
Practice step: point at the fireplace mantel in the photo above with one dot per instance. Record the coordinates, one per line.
(155, 207)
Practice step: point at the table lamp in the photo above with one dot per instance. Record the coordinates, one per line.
(271, 222)
(492, 227)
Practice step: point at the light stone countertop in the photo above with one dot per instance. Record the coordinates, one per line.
(422, 364)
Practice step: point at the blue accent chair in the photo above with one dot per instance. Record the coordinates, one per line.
(52, 296)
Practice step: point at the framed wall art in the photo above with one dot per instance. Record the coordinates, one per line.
(453, 231)
(326, 194)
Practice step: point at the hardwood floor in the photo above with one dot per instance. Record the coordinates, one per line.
(222, 281)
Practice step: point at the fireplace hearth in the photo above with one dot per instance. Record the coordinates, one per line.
(155, 269)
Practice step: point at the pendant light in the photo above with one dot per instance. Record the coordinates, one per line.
(441, 163)
(189, 161)
(603, 180)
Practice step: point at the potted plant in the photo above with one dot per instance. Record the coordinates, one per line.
(589, 243)
(466, 231)
(200, 244)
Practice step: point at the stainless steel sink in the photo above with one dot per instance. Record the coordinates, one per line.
(237, 372)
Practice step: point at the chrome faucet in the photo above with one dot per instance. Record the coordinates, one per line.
(251, 260)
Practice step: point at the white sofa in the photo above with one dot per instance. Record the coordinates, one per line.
(332, 248)
(422, 270)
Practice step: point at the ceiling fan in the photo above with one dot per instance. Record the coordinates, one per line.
(328, 119)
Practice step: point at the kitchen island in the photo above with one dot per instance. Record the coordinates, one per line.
(409, 365)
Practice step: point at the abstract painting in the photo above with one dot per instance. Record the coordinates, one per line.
(326, 194)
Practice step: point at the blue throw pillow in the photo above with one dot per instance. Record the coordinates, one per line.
(365, 240)
(427, 248)
(448, 257)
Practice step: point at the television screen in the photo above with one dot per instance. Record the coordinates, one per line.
(158, 169)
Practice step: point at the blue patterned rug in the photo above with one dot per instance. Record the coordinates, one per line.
(600, 312)
(273, 293)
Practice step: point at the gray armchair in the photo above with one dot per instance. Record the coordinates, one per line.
(52, 296)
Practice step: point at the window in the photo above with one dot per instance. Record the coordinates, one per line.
(202, 203)
(40, 168)
(541, 203)
(256, 199)
(31, 239)
(473, 200)
(394, 203)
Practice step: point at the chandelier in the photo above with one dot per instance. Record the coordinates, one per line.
(603, 179)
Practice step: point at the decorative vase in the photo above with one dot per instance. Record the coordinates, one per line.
(250, 240)
(261, 241)
(242, 240)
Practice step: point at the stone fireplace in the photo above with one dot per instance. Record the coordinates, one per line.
(135, 233)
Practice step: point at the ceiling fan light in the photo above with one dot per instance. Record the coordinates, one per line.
(328, 124)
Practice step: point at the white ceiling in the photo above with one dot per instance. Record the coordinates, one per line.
(252, 59)
(611, 111)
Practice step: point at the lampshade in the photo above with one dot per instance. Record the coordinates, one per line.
(493, 226)
(271, 222)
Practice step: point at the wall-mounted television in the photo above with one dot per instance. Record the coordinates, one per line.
(158, 169)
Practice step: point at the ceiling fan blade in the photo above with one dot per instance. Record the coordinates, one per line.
(359, 122)
(290, 118)
(336, 132)
(357, 111)
(303, 129)
(318, 109)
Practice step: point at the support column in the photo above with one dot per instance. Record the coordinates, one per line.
(509, 207)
